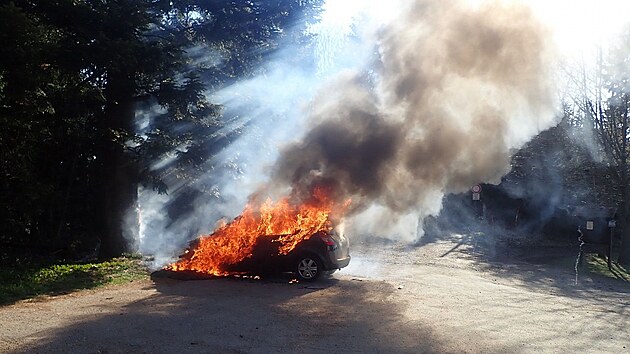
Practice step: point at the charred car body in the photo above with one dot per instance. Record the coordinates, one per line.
(321, 253)
(318, 254)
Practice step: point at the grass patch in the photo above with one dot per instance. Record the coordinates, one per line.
(599, 266)
(24, 283)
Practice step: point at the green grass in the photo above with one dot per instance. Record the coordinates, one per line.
(25, 283)
(599, 265)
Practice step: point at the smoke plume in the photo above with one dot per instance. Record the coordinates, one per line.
(415, 107)
(455, 89)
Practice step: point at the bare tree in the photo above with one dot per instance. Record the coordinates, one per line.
(602, 94)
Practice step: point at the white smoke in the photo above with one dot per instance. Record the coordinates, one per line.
(457, 87)
(454, 85)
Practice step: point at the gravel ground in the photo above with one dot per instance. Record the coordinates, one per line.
(445, 296)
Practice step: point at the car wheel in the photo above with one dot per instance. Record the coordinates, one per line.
(308, 268)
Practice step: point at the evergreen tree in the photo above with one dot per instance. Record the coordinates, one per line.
(73, 74)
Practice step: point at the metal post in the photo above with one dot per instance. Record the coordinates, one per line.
(611, 225)
(610, 248)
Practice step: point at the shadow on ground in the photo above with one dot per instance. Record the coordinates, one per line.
(244, 315)
(535, 264)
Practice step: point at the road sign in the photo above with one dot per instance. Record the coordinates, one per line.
(476, 189)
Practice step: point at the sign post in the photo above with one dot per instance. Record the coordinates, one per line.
(476, 197)
(476, 192)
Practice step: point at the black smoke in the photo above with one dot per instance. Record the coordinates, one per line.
(456, 89)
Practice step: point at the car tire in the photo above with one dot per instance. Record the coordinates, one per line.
(308, 268)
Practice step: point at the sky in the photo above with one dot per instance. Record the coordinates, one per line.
(577, 26)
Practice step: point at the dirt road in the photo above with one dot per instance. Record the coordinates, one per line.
(393, 298)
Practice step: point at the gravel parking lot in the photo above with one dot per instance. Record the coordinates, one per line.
(392, 298)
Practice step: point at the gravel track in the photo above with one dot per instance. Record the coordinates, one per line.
(442, 297)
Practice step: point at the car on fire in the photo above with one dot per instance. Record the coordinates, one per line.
(321, 254)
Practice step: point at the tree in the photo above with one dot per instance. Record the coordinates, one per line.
(42, 136)
(80, 69)
(604, 99)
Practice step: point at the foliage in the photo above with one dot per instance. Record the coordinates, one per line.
(604, 101)
(72, 74)
(23, 283)
(598, 265)
(41, 131)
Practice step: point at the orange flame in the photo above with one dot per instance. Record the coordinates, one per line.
(284, 222)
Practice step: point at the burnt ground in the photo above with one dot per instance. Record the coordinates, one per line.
(457, 294)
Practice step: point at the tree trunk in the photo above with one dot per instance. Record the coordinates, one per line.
(624, 255)
(118, 178)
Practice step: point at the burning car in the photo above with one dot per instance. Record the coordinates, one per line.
(266, 237)
(322, 253)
